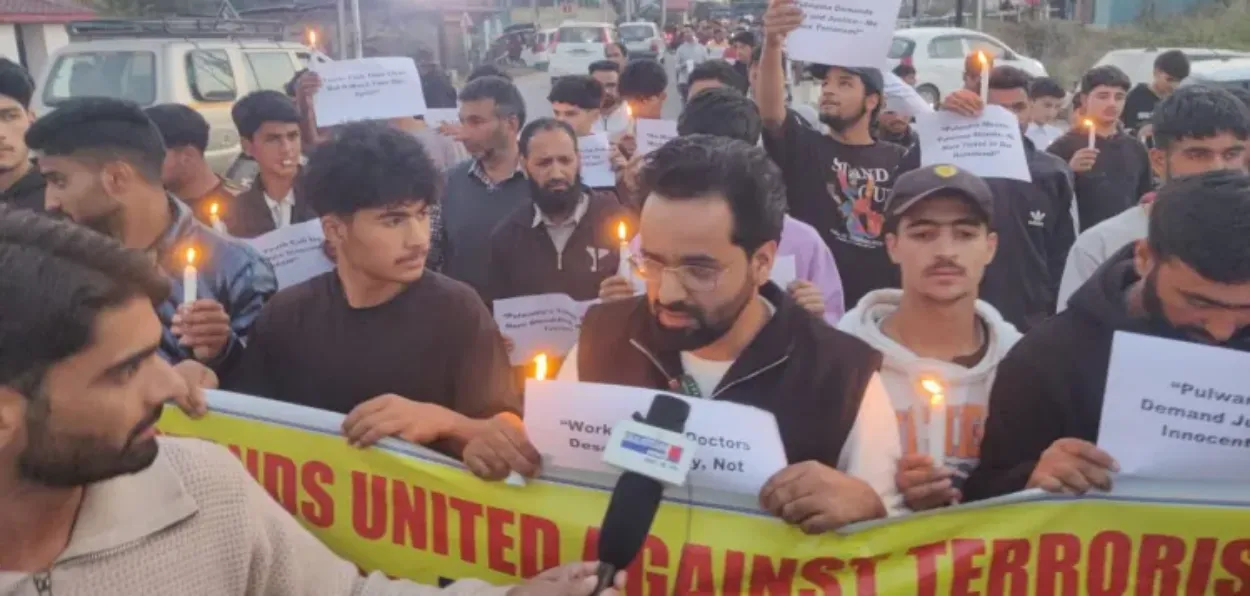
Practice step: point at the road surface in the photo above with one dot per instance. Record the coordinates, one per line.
(535, 85)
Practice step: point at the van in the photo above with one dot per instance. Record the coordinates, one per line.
(206, 64)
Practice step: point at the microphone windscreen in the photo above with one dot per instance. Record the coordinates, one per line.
(628, 519)
(668, 412)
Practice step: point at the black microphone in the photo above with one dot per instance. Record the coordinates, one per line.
(635, 500)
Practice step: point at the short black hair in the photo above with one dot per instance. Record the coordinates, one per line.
(180, 126)
(642, 79)
(1104, 76)
(1198, 112)
(745, 37)
(258, 107)
(758, 54)
(604, 66)
(1046, 87)
(904, 70)
(1173, 63)
(55, 279)
(722, 113)
(15, 82)
(104, 128)
(718, 70)
(582, 91)
(542, 125)
(508, 100)
(1009, 77)
(369, 165)
(1241, 93)
(1204, 221)
(623, 48)
(698, 166)
(488, 70)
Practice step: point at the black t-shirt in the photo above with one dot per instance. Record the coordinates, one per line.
(1138, 107)
(841, 191)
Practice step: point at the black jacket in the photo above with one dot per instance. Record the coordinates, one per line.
(1050, 386)
(1035, 232)
(1118, 180)
(811, 376)
(27, 192)
(249, 215)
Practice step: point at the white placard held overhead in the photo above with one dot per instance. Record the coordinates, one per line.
(844, 32)
(785, 271)
(652, 134)
(543, 324)
(737, 448)
(990, 146)
(296, 252)
(368, 89)
(1175, 410)
(596, 154)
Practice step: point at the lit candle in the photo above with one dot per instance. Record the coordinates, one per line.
(985, 77)
(629, 113)
(1093, 134)
(624, 269)
(214, 218)
(540, 367)
(190, 279)
(937, 419)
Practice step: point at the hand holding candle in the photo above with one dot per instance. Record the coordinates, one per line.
(190, 279)
(1093, 132)
(633, 122)
(624, 269)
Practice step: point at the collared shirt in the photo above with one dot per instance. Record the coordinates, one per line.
(478, 171)
(613, 123)
(281, 210)
(562, 231)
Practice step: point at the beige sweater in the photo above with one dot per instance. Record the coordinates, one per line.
(195, 524)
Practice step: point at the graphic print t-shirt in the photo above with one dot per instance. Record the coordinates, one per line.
(841, 191)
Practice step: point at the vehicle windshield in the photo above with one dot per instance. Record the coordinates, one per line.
(636, 33)
(900, 48)
(122, 75)
(581, 35)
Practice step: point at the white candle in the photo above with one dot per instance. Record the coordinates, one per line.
(214, 218)
(937, 420)
(1093, 134)
(985, 78)
(624, 269)
(190, 279)
(540, 367)
(632, 130)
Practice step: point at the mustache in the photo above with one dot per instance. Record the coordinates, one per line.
(146, 423)
(944, 266)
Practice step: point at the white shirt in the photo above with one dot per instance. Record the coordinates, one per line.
(614, 123)
(1042, 135)
(281, 210)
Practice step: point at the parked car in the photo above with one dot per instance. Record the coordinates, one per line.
(1233, 72)
(1139, 63)
(538, 54)
(938, 54)
(195, 62)
(577, 45)
(643, 40)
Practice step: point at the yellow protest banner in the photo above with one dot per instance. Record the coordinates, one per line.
(406, 513)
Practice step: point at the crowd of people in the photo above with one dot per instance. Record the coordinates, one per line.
(1008, 292)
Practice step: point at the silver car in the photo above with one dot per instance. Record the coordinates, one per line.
(642, 39)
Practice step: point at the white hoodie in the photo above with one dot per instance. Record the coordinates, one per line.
(967, 389)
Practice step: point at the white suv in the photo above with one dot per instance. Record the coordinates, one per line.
(937, 54)
(643, 40)
(577, 45)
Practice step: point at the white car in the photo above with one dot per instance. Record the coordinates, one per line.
(938, 53)
(1234, 72)
(1139, 63)
(538, 54)
(577, 45)
(643, 40)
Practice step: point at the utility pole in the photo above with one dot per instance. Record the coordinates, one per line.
(959, 13)
(980, 11)
(358, 31)
(343, 32)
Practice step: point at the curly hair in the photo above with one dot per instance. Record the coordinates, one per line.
(369, 165)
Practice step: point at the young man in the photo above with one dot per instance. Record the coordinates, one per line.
(1170, 68)
(21, 184)
(714, 73)
(939, 233)
(894, 126)
(1033, 219)
(837, 182)
(94, 502)
(717, 45)
(712, 325)
(436, 366)
(1197, 129)
(1045, 100)
(689, 54)
(743, 43)
(907, 73)
(644, 86)
(616, 52)
(613, 115)
(482, 191)
(1189, 280)
(1115, 174)
(564, 241)
(102, 159)
(575, 100)
(186, 173)
(269, 129)
(808, 115)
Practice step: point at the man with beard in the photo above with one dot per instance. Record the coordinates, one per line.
(269, 130)
(1188, 280)
(564, 240)
(712, 325)
(613, 116)
(838, 181)
(1033, 219)
(616, 53)
(435, 364)
(93, 502)
(102, 158)
(482, 191)
(21, 184)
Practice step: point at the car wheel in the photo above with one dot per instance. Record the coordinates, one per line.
(930, 94)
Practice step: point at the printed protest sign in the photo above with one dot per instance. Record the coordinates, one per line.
(990, 146)
(368, 89)
(844, 32)
(296, 252)
(543, 324)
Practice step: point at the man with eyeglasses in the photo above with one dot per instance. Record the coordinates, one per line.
(712, 325)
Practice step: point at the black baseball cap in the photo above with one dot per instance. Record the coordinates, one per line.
(920, 184)
(873, 80)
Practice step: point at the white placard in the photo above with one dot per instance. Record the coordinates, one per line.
(652, 134)
(296, 252)
(844, 32)
(990, 146)
(436, 117)
(785, 271)
(596, 154)
(543, 324)
(1177, 411)
(368, 89)
(738, 448)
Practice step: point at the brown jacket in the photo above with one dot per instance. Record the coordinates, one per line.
(250, 216)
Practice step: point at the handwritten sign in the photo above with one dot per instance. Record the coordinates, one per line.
(596, 152)
(296, 252)
(368, 89)
(652, 134)
(542, 324)
(990, 146)
(844, 32)
(1183, 417)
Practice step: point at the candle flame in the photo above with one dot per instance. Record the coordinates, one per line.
(540, 367)
(629, 112)
(212, 209)
(933, 387)
(936, 399)
(312, 37)
(190, 256)
(621, 232)
(985, 61)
